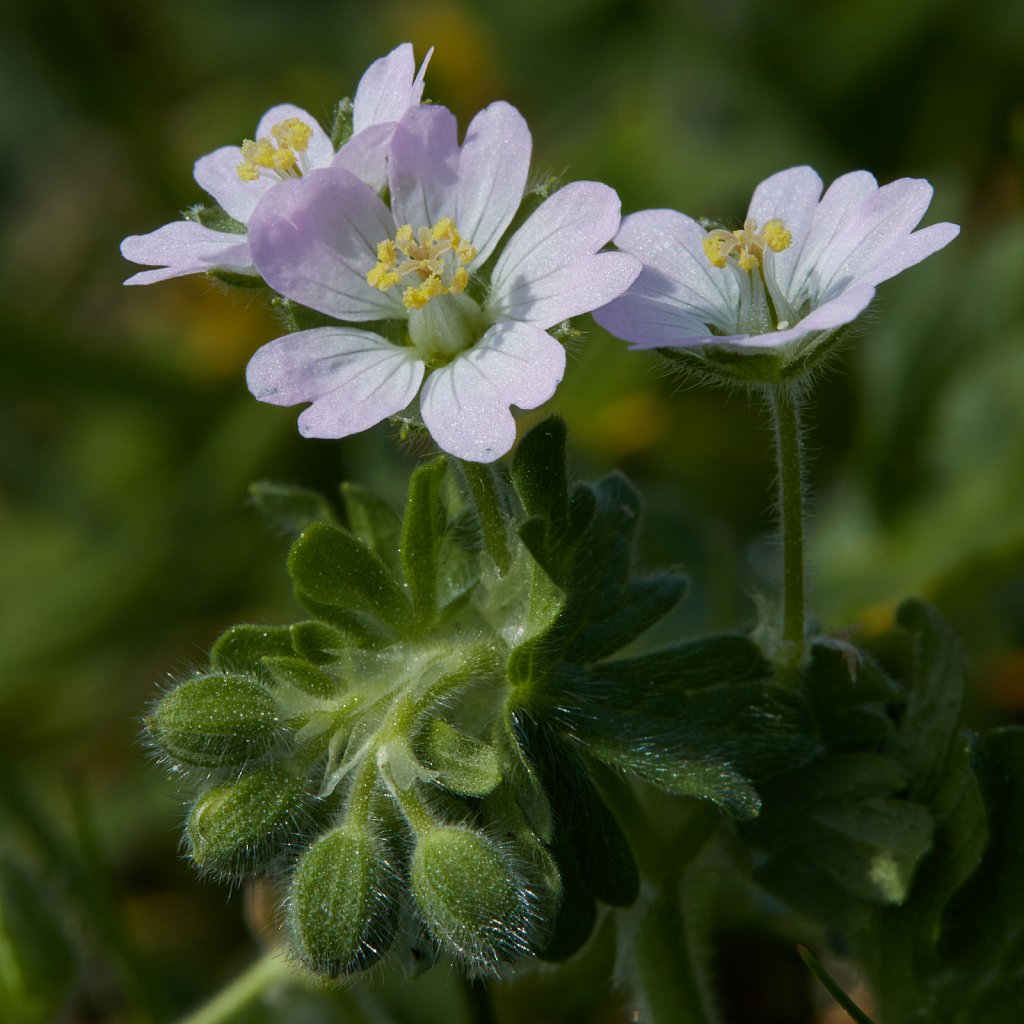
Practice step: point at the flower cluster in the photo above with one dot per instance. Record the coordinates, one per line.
(404, 228)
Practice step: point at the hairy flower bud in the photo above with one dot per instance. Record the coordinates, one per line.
(341, 911)
(218, 721)
(470, 898)
(237, 826)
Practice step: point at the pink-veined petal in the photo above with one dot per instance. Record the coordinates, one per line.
(184, 247)
(354, 378)
(319, 152)
(673, 244)
(465, 405)
(568, 290)
(792, 197)
(366, 155)
(217, 173)
(423, 167)
(315, 239)
(653, 312)
(493, 166)
(388, 88)
(575, 222)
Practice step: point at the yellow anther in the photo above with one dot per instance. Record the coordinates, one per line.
(417, 298)
(715, 248)
(747, 260)
(283, 161)
(292, 134)
(776, 236)
(434, 254)
(747, 245)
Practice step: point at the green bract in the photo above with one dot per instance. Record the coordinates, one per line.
(437, 742)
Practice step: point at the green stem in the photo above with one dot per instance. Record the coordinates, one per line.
(785, 408)
(245, 990)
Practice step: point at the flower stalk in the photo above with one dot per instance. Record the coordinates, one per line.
(784, 402)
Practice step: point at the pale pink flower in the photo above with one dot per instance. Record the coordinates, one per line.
(289, 143)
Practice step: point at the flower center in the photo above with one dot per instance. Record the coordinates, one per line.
(281, 156)
(434, 258)
(747, 245)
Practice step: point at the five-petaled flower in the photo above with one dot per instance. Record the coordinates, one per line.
(477, 342)
(289, 144)
(803, 264)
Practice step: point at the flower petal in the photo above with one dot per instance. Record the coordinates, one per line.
(366, 155)
(353, 378)
(654, 312)
(314, 240)
(465, 405)
(423, 166)
(217, 173)
(493, 166)
(673, 244)
(575, 222)
(577, 287)
(184, 247)
(319, 152)
(388, 88)
(792, 197)
(841, 310)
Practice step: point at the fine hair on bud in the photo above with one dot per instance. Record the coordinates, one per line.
(251, 824)
(216, 723)
(343, 906)
(473, 901)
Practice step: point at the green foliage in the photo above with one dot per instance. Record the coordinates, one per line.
(36, 963)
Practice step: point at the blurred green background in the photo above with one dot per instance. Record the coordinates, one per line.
(127, 438)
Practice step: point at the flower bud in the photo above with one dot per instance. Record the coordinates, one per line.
(235, 827)
(218, 721)
(36, 965)
(341, 912)
(470, 898)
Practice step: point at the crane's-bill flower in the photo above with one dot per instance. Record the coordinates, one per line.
(803, 264)
(471, 347)
(289, 143)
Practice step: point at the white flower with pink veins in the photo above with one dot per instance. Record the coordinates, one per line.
(289, 144)
(470, 340)
(803, 264)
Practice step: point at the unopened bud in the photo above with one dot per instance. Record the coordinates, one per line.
(470, 898)
(236, 827)
(342, 913)
(219, 721)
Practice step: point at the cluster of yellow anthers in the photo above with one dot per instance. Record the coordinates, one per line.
(747, 245)
(279, 154)
(423, 254)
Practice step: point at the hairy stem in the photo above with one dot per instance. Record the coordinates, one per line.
(785, 408)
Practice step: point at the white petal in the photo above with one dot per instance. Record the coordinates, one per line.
(388, 88)
(320, 152)
(569, 290)
(366, 155)
(673, 244)
(465, 405)
(184, 247)
(354, 378)
(493, 167)
(792, 197)
(217, 173)
(575, 222)
(423, 166)
(315, 240)
(841, 198)
(653, 312)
